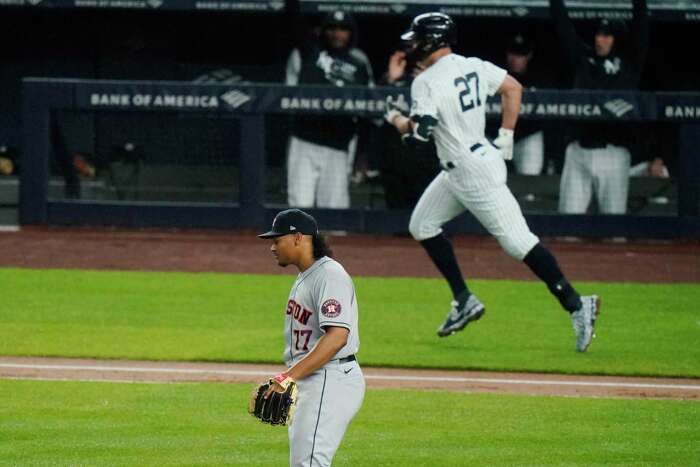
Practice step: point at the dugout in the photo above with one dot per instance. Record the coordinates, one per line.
(248, 204)
(192, 166)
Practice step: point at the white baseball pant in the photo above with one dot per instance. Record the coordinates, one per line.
(317, 176)
(328, 400)
(528, 154)
(477, 183)
(605, 170)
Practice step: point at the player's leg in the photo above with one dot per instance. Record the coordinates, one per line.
(333, 189)
(612, 166)
(498, 211)
(436, 206)
(575, 189)
(329, 402)
(528, 154)
(509, 227)
(583, 309)
(302, 175)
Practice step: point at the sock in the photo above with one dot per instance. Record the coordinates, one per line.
(545, 266)
(441, 252)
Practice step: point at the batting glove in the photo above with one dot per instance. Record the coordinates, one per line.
(504, 142)
(394, 108)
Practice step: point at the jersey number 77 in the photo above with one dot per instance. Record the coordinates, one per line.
(468, 87)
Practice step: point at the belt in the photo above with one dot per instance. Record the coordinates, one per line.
(349, 358)
(449, 165)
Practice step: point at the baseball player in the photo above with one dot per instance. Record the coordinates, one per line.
(448, 106)
(321, 340)
(598, 157)
(321, 149)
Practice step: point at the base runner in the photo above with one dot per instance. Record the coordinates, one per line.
(448, 105)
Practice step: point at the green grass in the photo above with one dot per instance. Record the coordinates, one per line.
(46, 423)
(644, 329)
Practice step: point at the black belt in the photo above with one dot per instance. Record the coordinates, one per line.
(350, 358)
(449, 165)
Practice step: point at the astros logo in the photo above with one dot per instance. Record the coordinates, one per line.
(331, 308)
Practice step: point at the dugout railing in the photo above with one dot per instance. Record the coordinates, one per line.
(248, 104)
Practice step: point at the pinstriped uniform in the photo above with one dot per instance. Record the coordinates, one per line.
(323, 295)
(604, 171)
(453, 91)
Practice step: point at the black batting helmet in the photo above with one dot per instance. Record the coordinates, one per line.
(429, 32)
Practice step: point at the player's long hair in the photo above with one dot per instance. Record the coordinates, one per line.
(321, 248)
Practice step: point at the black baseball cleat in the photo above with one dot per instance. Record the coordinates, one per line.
(458, 317)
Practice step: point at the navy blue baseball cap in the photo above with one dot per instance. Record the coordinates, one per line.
(292, 221)
(520, 45)
(338, 19)
(610, 27)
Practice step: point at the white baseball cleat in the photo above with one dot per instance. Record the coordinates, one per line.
(583, 321)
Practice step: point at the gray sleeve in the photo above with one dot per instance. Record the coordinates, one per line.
(362, 57)
(335, 298)
(293, 68)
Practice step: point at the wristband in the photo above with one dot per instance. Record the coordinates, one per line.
(505, 132)
(283, 380)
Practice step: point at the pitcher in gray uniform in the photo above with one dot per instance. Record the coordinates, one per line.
(321, 340)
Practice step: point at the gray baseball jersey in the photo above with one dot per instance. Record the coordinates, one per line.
(323, 295)
(329, 398)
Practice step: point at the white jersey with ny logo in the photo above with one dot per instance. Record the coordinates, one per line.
(453, 92)
(322, 296)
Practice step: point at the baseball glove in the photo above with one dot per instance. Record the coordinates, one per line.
(279, 407)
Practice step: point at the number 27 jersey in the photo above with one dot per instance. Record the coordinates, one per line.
(322, 296)
(453, 91)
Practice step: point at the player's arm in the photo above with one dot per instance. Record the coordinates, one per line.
(416, 130)
(572, 44)
(293, 68)
(511, 92)
(403, 124)
(327, 346)
(640, 32)
(423, 114)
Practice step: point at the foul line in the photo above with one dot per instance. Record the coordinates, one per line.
(440, 379)
(536, 382)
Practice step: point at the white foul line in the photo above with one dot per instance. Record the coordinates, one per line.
(535, 382)
(134, 369)
(441, 379)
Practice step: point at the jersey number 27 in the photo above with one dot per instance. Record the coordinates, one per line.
(468, 87)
